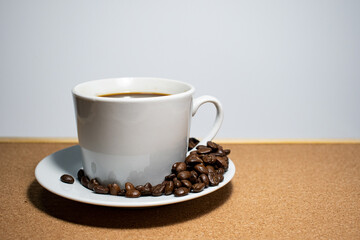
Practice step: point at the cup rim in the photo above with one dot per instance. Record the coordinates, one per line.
(190, 91)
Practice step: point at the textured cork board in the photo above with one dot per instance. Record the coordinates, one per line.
(280, 191)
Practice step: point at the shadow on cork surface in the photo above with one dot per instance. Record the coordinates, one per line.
(109, 217)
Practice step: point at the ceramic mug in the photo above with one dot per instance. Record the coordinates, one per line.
(136, 139)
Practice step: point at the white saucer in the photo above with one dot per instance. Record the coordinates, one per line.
(68, 161)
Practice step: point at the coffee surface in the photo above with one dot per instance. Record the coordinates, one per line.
(134, 95)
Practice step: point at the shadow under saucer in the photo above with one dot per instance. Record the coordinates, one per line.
(112, 217)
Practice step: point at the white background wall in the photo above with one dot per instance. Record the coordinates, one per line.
(282, 69)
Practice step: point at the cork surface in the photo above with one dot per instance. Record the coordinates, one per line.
(280, 191)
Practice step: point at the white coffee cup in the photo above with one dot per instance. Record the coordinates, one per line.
(136, 139)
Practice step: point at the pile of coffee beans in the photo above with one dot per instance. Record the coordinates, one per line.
(203, 167)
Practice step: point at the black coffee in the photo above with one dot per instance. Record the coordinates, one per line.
(134, 95)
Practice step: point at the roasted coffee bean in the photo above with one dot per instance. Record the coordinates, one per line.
(170, 177)
(186, 183)
(84, 181)
(66, 178)
(174, 166)
(205, 179)
(122, 192)
(213, 179)
(201, 146)
(147, 189)
(220, 171)
(212, 145)
(183, 175)
(148, 185)
(193, 159)
(169, 188)
(140, 188)
(200, 168)
(93, 183)
(114, 189)
(194, 140)
(227, 151)
(220, 152)
(198, 187)
(209, 159)
(158, 190)
(210, 168)
(179, 192)
(180, 167)
(177, 183)
(129, 186)
(192, 143)
(193, 176)
(101, 189)
(221, 163)
(204, 150)
(80, 174)
(220, 177)
(132, 193)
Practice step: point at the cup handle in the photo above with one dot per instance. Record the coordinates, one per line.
(218, 120)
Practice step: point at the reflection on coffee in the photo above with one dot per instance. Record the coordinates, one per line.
(134, 95)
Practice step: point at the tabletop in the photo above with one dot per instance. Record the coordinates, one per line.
(279, 191)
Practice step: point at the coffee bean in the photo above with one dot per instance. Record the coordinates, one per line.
(147, 189)
(80, 174)
(67, 179)
(92, 184)
(209, 159)
(158, 190)
(205, 179)
(193, 153)
(227, 151)
(140, 188)
(204, 150)
(212, 145)
(210, 168)
(180, 167)
(174, 166)
(148, 185)
(170, 176)
(200, 168)
(198, 187)
(183, 175)
(220, 177)
(193, 176)
(129, 186)
(213, 179)
(122, 192)
(186, 183)
(114, 189)
(220, 171)
(84, 181)
(179, 192)
(101, 189)
(169, 188)
(177, 183)
(221, 163)
(193, 159)
(220, 152)
(192, 143)
(201, 146)
(132, 193)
